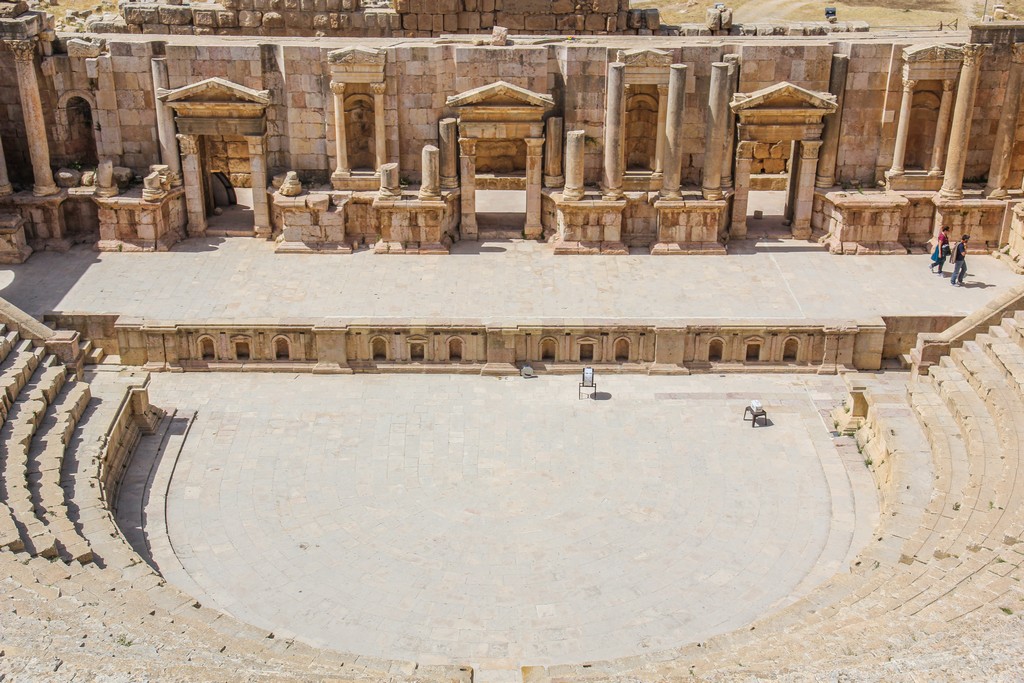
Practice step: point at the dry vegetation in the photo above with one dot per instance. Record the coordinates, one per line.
(876, 12)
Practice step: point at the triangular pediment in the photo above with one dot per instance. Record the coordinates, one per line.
(644, 58)
(214, 90)
(501, 94)
(357, 55)
(933, 53)
(784, 96)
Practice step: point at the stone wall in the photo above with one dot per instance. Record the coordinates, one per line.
(406, 18)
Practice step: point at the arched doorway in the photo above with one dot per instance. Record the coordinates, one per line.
(80, 145)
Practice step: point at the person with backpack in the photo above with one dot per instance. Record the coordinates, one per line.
(959, 262)
(941, 252)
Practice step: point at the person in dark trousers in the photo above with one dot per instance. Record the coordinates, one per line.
(959, 261)
(941, 252)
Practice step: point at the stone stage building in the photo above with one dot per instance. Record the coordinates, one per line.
(618, 142)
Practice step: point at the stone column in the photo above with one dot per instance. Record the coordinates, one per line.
(467, 172)
(942, 128)
(673, 151)
(1003, 148)
(615, 114)
(430, 182)
(804, 204)
(380, 139)
(448, 136)
(660, 144)
(5, 182)
(192, 176)
(32, 110)
(574, 143)
(899, 152)
(553, 131)
(830, 134)
(960, 133)
(733, 61)
(534, 183)
(260, 205)
(341, 168)
(165, 128)
(744, 159)
(714, 147)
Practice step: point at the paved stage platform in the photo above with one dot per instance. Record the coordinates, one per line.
(512, 281)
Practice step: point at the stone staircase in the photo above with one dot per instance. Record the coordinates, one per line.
(76, 601)
(945, 571)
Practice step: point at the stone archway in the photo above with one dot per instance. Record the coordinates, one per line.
(501, 111)
(780, 113)
(216, 107)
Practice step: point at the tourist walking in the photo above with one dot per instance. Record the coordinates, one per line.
(941, 252)
(959, 261)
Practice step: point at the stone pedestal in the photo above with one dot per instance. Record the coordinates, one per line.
(980, 218)
(44, 226)
(591, 225)
(129, 222)
(1014, 254)
(690, 226)
(13, 245)
(414, 226)
(870, 223)
(312, 223)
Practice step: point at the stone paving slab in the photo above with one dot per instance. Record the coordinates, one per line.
(451, 519)
(513, 281)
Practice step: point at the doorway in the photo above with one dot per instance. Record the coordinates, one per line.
(227, 180)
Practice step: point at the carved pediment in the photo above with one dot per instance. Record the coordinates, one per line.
(644, 58)
(358, 55)
(784, 96)
(501, 94)
(214, 91)
(933, 53)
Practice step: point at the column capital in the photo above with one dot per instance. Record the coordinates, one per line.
(468, 145)
(947, 85)
(188, 144)
(338, 88)
(255, 144)
(909, 84)
(379, 88)
(663, 89)
(972, 53)
(745, 149)
(23, 50)
(1017, 55)
(809, 149)
(534, 146)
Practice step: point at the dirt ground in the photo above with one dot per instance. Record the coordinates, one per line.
(878, 13)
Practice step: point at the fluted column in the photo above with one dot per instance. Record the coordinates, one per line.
(467, 173)
(5, 182)
(717, 116)
(165, 128)
(826, 175)
(899, 153)
(553, 173)
(341, 167)
(660, 144)
(574, 143)
(673, 151)
(260, 205)
(534, 183)
(615, 113)
(191, 174)
(380, 139)
(1003, 149)
(32, 110)
(942, 128)
(448, 136)
(960, 131)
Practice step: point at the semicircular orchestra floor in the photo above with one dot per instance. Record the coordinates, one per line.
(505, 522)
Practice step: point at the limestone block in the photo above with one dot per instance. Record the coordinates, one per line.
(175, 16)
(204, 17)
(68, 177)
(273, 20)
(250, 19)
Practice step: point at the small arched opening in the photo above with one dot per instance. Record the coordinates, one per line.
(715, 351)
(360, 132)
(586, 352)
(242, 350)
(791, 350)
(416, 351)
(379, 349)
(622, 350)
(282, 349)
(642, 128)
(81, 132)
(206, 349)
(548, 349)
(753, 351)
(455, 350)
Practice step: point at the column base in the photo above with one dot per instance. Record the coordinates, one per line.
(554, 181)
(712, 194)
(338, 179)
(998, 193)
(6, 190)
(449, 183)
(951, 194)
(824, 182)
(45, 190)
(533, 232)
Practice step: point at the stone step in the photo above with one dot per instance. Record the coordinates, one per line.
(8, 341)
(1007, 356)
(16, 370)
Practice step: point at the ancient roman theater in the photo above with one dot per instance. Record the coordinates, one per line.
(300, 300)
